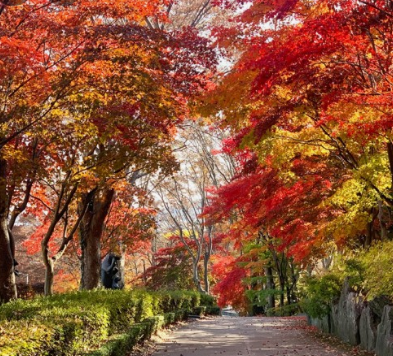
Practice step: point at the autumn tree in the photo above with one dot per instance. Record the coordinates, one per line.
(129, 228)
(74, 48)
(172, 268)
(183, 15)
(258, 247)
(309, 99)
(319, 112)
(30, 55)
(148, 101)
(184, 196)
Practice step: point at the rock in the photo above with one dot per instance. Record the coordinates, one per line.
(334, 317)
(384, 344)
(322, 324)
(367, 330)
(377, 305)
(355, 321)
(347, 314)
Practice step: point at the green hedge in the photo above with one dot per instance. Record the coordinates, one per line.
(286, 310)
(213, 310)
(101, 322)
(121, 343)
(320, 293)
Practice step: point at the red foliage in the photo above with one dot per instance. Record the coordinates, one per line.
(172, 269)
(230, 288)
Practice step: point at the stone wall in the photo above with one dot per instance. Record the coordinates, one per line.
(357, 322)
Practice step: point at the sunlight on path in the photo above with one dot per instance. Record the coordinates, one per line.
(244, 336)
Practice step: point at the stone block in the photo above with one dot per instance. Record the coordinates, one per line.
(347, 315)
(323, 324)
(367, 330)
(384, 343)
(377, 306)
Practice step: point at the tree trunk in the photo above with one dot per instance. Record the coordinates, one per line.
(90, 230)
(208, 252)
(153, 250)
(382, 223)
(49, 277)
(122, 265)
(280, 264)
(58, 213)
(206, 272)
(282, 295)
(271, 302)
(294, 279)
(195, 274)
(289, 295)
(144, 272)
(327, 262)
(369, 235)
(49, 264)
(7, 277)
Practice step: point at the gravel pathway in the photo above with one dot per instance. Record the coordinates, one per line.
(252, 336)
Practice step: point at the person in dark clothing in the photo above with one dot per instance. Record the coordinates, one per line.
(115, 282)
(110, 271)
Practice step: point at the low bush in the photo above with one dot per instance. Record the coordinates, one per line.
(368, 272)
(21, 337)
(206, 310)
(286, 310)
(213, 310)
(320, 293)
(377, 270)
(208, 300)
(119, 344)
(100, 322)
(201, 310)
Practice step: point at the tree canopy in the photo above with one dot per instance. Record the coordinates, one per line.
(242, 141)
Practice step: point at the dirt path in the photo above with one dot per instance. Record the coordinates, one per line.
(256, 336)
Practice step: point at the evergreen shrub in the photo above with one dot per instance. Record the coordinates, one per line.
(99, 322)
(320, 294)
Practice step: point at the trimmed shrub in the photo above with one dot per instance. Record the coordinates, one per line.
(320, 293)
(213, 310)
(286, 310)
(181, 314)
(100, 322)
(207, 300)
(21, 337)
(119, 344)
(201, 310)
(169, 318)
